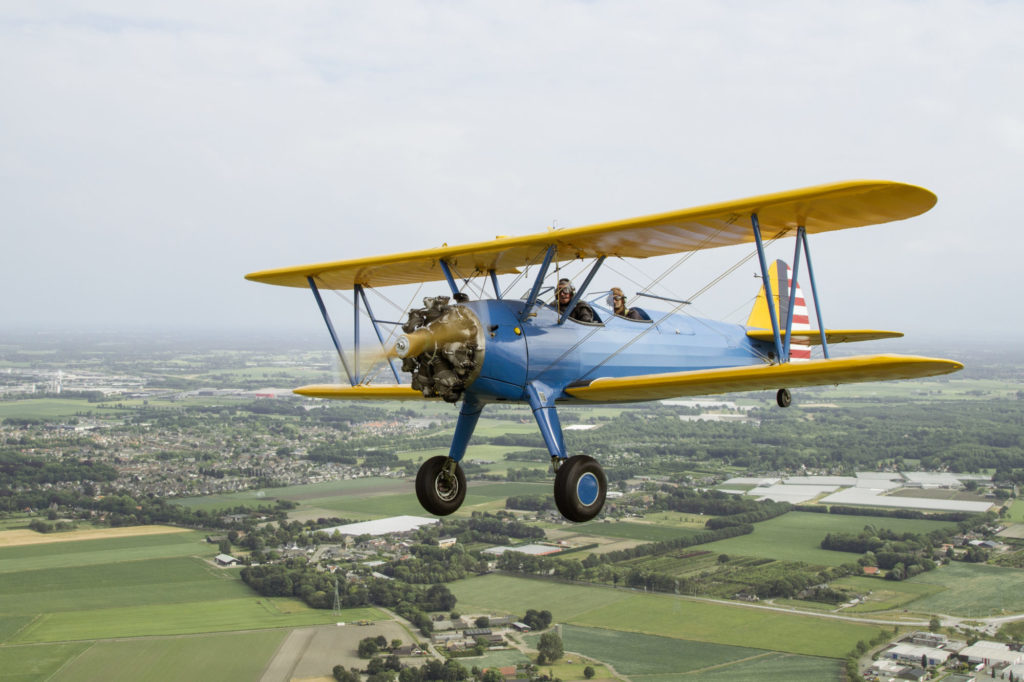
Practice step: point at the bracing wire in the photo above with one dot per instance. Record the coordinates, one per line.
(678, 307)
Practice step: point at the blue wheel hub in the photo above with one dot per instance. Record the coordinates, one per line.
(587, 489)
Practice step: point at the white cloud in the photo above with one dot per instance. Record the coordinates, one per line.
(151, 155)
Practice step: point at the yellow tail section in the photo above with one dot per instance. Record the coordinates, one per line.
(779, 277)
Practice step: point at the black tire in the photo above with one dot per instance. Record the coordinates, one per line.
(580, 488)
(439, 493)
(784, 398)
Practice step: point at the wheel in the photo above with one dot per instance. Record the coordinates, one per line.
(580, 487)
(438, 490)
(784, 398)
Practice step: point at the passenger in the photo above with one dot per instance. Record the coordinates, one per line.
(618, 301)
(581, 312)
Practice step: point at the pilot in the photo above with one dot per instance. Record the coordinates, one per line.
(618, 302)
(581, 312)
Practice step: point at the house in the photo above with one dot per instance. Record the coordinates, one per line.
(521, 627)
(225, 560)
(991, 653)
(1017, 672)
(871, 570)
(931, 639)
(911, 653)
(912, 674)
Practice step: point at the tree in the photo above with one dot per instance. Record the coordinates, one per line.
(934, 624)
(224, 546)
(483, 622)
(367, 647)
(492, 675)
(589, 672)
(343, 675)
(550, 646)
(723, 558)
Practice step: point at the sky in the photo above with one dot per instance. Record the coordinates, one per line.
(152, 154)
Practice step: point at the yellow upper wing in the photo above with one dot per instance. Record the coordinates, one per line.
(763, 377)
(820, 209)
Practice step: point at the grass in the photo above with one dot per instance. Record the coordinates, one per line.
(972, 590)
(225, 657)
(92, 552)
(796, 536)
(298, 493)
(153, 581)
(663, 615)
(635, 531)
(881, 595)
(650, 658)
(30, 663)
(180, 619)
(1016, 512)
(635, 654)
(49, 408)
(10, 624)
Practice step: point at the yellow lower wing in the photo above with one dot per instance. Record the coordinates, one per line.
(812, 337)
(763, 377)
(360, 392)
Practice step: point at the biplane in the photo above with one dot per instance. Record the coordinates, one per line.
(506, 348)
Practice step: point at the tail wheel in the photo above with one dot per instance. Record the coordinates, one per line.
(784, 398)
(440, 486)
(580, 488)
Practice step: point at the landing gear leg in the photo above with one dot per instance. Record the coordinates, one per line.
(440, 482)
(784, 398)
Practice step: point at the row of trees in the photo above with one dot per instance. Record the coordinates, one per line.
(296, 578)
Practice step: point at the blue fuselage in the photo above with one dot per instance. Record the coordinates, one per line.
(536, 350)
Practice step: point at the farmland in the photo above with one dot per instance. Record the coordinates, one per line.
(796, 536)
(652, 658)
(665, 615)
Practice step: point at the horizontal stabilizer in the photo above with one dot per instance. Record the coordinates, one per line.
(360, 392)
(813, 336)
(762, 377)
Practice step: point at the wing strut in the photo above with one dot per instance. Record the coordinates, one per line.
(782, 347)
(801, 236)
(541, 274)
(448, 276)
(330, 328)
(582, 290)
(376, 328)
(494, 283)
(770, 297)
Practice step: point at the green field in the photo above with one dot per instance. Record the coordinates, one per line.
(234, 656)
(225, 615)
(796, 536)
(49, 408)
(882, 595)
(31, 663)
(652, 658)
(127, 583)
(972, 590)
(90, 552)
(1016, 512)
(401, 499)
(298, 493)
(664, 615)
(648, 532)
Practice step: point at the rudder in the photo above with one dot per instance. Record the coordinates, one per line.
(759, 317)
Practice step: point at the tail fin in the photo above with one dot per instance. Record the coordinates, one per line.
(760, 319)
